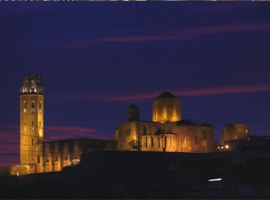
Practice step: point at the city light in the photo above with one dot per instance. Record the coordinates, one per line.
(214, 179)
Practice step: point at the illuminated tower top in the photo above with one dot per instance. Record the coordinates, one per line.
(166, 108)
(32, 85)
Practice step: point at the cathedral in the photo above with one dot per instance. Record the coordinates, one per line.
(167, 132)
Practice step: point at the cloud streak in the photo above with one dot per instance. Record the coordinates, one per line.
(191, 33)
(67, 132)
(144, 38)
(184, 92)
(187, 33)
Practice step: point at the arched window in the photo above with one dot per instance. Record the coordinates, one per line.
(24, 106)
(33, 106)
(40, 106)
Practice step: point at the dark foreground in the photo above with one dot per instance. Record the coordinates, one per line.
(240, 174)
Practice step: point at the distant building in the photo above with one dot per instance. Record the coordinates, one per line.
(166, 132)
(235, 132)
(233, 135)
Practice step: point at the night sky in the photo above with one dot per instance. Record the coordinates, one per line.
(96, 58)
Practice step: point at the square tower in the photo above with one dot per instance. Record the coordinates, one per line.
(31, 120)
(166, 108)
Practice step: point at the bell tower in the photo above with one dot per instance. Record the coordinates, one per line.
(31, 119)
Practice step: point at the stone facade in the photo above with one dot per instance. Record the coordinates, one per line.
(31, 119)
(166, 132)
(166, 108)
(56, 155)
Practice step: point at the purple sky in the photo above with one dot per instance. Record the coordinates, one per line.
(97, 58)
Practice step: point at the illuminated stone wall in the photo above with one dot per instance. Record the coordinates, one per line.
(169, 137)
(166, 108)
(59, 154)
(235, 132)
(128, 134)
(31, 120)
(194, 138)
(163, 142)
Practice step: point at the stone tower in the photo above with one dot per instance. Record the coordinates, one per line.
(31, 120)
(133, 113)
(166, 108)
